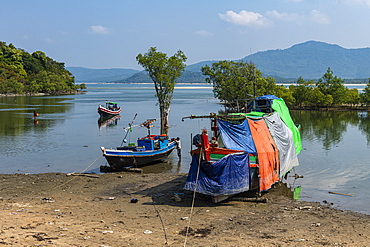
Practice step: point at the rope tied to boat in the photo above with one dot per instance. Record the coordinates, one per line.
(76, 176)
(160, 218)
(193, 201)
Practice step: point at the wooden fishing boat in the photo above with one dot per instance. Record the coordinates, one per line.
(109, 110)
(253, 151)
(148, 150)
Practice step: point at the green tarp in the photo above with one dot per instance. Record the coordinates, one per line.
(280, 106)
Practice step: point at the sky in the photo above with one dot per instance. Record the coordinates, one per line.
(111, 33)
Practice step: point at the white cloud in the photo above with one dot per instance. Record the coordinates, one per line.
(99, 29)
(314, 16)
(245, 18)
(203, 33)
(319, 17)
(283, 16)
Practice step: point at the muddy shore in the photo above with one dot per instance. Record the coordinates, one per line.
(133, 209)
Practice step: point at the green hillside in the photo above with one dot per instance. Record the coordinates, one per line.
(25, 73)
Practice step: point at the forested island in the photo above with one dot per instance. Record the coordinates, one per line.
(25, 73)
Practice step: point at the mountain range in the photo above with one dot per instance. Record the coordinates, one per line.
(310, 60)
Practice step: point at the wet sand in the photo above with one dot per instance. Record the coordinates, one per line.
(133, 209)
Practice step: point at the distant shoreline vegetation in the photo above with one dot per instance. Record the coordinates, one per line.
(24, 73)
(198, 77)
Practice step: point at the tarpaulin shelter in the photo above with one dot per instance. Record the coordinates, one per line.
(283, 138)
(266, 142)
(268, 155)
(237, 136)
(279, 106)
(227, 176)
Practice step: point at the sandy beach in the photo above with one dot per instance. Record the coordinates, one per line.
(133, 209)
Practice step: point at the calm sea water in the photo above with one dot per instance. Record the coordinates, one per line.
(67, 137)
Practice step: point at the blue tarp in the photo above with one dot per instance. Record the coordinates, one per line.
(227, 176)
(267, 97)
(237, 136)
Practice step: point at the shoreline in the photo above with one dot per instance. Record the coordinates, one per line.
(98, 210)
(41, 94)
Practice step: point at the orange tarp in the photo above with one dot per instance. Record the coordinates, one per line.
(268, 155)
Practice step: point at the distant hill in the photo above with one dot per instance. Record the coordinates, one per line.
(310, 60)
(100, 75)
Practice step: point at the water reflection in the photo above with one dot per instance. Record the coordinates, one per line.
(108, 122)
(288, 190)
(364, 126)
(329, 127)
(17, 114)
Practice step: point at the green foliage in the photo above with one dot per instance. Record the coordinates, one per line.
(24, 73)
(82, 86)
(236, 83)
(328, 91)
(329, 84)
(164, 72)
(365, 96)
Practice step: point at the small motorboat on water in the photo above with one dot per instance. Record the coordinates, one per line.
(109, 110)
(148, 150)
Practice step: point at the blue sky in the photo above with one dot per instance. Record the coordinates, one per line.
(110, 33)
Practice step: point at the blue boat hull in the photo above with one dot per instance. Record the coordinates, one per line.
(121, 159)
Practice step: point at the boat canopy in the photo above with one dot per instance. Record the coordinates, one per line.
(271, 136)
(227, 176)
(237, 136)
(253, 136)
(283, 138)
(279, 106)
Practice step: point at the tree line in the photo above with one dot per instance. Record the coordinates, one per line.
(237, 83)
(25, 73)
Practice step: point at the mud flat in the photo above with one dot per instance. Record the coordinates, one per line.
(132, 209)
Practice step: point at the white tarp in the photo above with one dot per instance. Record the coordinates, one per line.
(283, 138)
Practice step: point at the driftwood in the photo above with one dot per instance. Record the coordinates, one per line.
(248, 199)
(337, 193)
(124, 169)
(83, 174)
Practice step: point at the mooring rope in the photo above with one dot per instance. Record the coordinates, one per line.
(193, 201)
(160, 218)
(76, 177)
